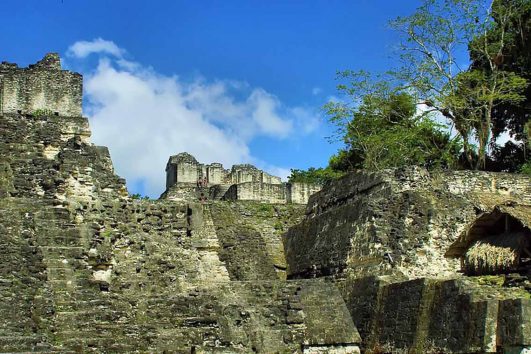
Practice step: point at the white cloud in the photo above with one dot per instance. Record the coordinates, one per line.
(316, 91)
(264, 107)
(144, 117)
(306, 119)
(82, 49)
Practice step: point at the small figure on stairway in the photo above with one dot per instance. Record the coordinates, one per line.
(205, 182)
(200, 183)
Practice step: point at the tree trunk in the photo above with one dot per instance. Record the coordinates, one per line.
(484, 136)
(466, 149)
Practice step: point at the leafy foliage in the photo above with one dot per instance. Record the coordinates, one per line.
(433, 36)
(384, 131)
(512, 25)
(42, 112)
(138, 196)
(510, 157)
(314, 175)
(387, 120)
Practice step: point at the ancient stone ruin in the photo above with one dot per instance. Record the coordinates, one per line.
(41, 88)
(399, 244)
(86, 268)
(401, 261)
(187, 179)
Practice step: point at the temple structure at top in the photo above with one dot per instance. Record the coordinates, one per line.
(41, 88)
(187, 179)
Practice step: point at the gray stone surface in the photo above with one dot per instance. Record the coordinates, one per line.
(250, 237)
(391, 242)
(401, 222)
(299, 193)
(40, 88)
(433, 315)
(241, 182)
(86, 268)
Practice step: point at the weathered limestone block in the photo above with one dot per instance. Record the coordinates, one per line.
(245, 173)
(139, 276)
(404, 225)
(6, 179)
(183, 192)
(25, 324)
(257, 191)
(85, 268)
(162, 293)
(182, 168)
(299, 193)
(249, 234)
(325, 325)
(51, 157)
(216, 174)
(514, 324)
(400, 222)
(42, 87)
(505, 184)
(429, 315)
(187, 179)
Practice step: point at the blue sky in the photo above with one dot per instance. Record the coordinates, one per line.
(234, 81)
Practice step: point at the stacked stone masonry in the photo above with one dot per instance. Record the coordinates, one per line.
(86, 268)
(393, 242)
(41, 88)
(374, 262)
(241, 182)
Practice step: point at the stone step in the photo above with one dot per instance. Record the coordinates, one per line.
(90, 334)
(59, 252)
(102, 317)
(64, 240)
(20, 344)
(218, 192)
(58, 262)
(62, 283)
(62, 273)
(94, 345)
(68, 301)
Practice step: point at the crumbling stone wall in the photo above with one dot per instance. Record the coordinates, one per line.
(466, 182)
(399, 222)
(216, 174)
(434, 315)
(182, 168)
(248, 173)
(85, 268)
(299, 193)
(398, 227)
(266, 192)
(241, 182)
(250, 237)
(42, 87)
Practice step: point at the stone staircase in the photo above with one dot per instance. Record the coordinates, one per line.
(218, 192)
(84, 268)
(23, 289)
(83, 316)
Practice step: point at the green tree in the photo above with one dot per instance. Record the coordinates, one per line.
(385, 131)
(509, 116)
(139, 196)
(314, 175)
(434, 36)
